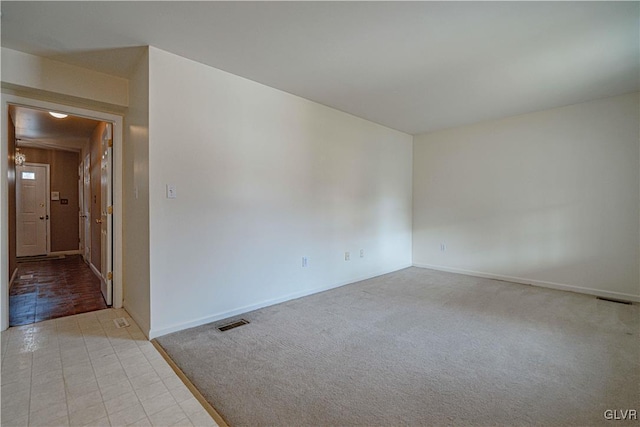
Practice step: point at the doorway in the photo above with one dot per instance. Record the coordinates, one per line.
(42, 233)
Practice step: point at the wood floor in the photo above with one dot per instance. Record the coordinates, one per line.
(53, 288)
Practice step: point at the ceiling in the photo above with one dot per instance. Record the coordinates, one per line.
(37, 128)
(412, 66)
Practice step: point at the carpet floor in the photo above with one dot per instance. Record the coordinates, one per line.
(420, 347)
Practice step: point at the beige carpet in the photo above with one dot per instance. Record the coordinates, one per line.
(420, 347)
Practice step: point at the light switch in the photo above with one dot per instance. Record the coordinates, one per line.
(171, 191)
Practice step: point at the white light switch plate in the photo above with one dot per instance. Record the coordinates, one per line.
(171, 191)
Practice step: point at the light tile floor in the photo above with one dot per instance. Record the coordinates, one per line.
(83, 371)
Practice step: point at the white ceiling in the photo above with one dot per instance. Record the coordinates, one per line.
(37, 128)
(412, 66)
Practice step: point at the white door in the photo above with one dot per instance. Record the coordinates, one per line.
(106, 217)
(31, 210)
(86, 208)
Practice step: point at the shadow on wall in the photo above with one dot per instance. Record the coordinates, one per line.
(118, 61)
(550, 244)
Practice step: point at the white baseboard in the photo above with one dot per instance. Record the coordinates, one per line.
(95, 271)
(47, 256)
(13, 277)
(143, 324)
(532, 282)
(58, 253)
(154, 333)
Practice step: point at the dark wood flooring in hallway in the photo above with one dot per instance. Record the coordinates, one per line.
(52, 288)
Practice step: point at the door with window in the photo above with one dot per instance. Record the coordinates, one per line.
(31, 210)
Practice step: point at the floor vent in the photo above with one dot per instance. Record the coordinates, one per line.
(233, 325)
(121, 322)
(614, 300)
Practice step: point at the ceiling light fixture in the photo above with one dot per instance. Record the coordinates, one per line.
(58, 115)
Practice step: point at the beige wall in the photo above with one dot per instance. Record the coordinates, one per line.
(549, 198)
(64, 179)
(23, 71)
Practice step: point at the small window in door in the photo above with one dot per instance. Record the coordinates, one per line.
(28, 175)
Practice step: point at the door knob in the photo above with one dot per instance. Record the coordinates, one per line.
(41, 217)
(98, 221)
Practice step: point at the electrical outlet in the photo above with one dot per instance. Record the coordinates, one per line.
(347, 256)
(443, 247)
(305, 261)
(361, 253)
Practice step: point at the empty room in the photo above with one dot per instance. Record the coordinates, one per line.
(329, 213)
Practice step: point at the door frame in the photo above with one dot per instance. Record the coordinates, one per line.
(80, 206)
(47, 208)
(117, 174)
(86, 209)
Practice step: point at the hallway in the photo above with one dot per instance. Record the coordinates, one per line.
(53, 288)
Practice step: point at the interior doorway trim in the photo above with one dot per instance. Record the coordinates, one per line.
(117, 121)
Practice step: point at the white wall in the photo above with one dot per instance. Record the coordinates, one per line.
(24, 71)
(136, 199)
(550, 198)
(263, 178)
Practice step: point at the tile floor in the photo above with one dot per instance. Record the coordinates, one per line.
(83, 371)
(53, 288)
